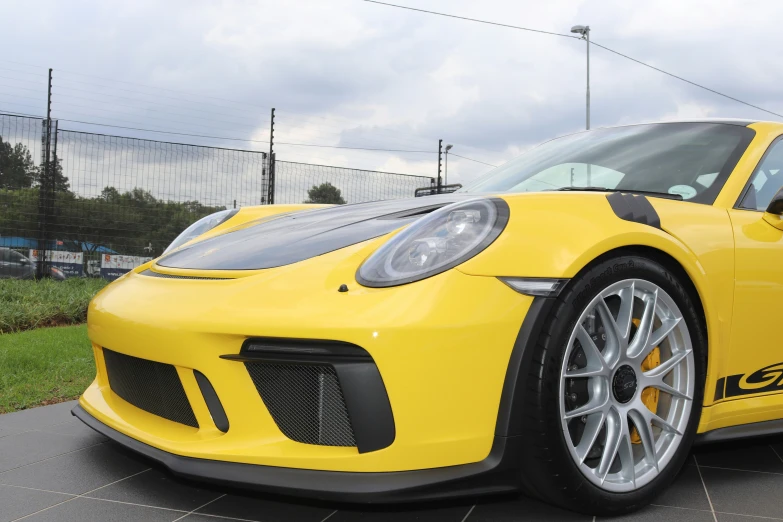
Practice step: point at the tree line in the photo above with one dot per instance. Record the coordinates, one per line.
(133, 222)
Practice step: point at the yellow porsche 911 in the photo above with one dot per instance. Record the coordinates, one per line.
(568, 326)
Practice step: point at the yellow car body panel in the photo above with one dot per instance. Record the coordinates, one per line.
(437, 423)
(442, 345)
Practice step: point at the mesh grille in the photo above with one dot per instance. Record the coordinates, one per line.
(305, 401)
(151, 386)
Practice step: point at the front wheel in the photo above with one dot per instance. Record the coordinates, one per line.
(616, 388)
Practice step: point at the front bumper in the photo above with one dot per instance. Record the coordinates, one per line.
(442, 347)
(493, 475)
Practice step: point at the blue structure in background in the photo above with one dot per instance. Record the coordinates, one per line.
(28, 243)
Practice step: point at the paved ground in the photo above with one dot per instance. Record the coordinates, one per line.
(52, 467)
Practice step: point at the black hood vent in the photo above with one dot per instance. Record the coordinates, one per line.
(302, 235)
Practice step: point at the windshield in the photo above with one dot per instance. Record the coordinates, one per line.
(690, 159)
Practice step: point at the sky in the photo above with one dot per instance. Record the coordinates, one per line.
(355, 74)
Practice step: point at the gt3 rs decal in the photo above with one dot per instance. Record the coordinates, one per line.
(634, 208)
(766, 380)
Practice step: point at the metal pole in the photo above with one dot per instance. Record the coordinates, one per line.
(271, 197)
(440, 158)
(446, 168)
(43, 183)
(587, 39)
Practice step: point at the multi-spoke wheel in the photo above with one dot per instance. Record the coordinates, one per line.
(615, 387)
(626, 385)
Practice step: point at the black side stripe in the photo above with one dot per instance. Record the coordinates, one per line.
(637, 209)
(719, 389)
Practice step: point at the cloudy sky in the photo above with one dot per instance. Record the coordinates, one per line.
(355, 74)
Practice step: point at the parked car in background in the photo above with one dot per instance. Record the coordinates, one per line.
(14, 265)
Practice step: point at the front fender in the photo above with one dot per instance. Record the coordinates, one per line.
(557, 234)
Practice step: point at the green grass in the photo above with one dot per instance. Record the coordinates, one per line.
(44, 366)
(25, 305)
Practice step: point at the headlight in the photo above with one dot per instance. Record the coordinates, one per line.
(201, 226)
(435, 243)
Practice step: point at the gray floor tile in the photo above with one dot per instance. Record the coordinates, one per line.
(522, 509)
(256, 508)
(88, 510)
(746, 456)
(658, 513)
(20, 449)
(687, 491)
(404, 513)
(745, 492)
(157, 489)
(77, 472)
(35, 418)
(75, 428)
(18, 502)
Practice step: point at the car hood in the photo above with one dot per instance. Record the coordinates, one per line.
(289, 238)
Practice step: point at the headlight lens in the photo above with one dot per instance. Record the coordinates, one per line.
(435, 243)
(201, 226)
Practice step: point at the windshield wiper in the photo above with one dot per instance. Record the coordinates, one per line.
(652, 193)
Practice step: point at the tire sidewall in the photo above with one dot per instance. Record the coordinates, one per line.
(576, 296)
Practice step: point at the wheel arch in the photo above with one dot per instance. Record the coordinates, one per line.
(670, 263)
(509, 422)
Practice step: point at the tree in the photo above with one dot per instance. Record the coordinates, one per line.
(17, 169)
(325, 193)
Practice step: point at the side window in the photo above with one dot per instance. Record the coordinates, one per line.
(766, 180)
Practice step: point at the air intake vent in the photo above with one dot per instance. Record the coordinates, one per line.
(150, 273)
(305, 400)
(151, 386)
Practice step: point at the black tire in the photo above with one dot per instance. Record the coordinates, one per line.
(548, 470)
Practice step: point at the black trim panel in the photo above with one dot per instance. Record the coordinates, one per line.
(365, 394)
(510, 419)
(495, 474)
(368, 405)
(636, 209)
(213, 402)
(744, 431)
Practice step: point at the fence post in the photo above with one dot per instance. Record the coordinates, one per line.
(271, 197)
(264, 178)
(440, 159)
(43, 182)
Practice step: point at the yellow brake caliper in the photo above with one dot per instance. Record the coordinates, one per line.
(649, 395)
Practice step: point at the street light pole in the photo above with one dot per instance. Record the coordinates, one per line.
(446, 169)
(584, 30)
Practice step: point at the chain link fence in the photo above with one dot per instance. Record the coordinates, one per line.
(303, 182)
(103, 204)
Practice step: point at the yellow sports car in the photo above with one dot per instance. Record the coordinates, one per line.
(568, 326)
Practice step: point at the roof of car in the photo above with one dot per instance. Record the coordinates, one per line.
(727, 121)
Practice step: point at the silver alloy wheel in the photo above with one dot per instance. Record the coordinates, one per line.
(602, 381)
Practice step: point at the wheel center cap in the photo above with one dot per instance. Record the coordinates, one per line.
(624, 384)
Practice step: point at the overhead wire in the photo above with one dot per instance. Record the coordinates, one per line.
(592, 42)
(471, 159)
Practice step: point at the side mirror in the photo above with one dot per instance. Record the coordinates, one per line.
(774, 213)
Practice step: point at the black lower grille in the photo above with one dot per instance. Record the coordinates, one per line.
(151, 386)
(305, 400)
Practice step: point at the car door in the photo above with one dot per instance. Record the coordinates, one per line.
(756, 350)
